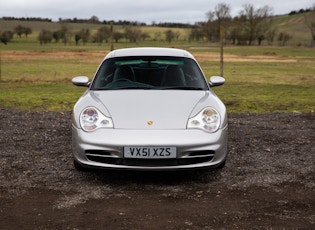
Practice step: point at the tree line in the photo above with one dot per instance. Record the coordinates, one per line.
(7, 35)
(27, 19)
(250, 26)
(103, 34)
(96, 20)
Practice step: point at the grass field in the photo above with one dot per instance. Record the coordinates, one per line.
(258, 79)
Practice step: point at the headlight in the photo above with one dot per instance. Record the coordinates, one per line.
(207, 119)
(92, 119)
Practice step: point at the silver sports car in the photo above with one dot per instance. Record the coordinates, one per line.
(149, 109)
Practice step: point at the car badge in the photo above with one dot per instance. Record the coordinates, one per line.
(150, 122)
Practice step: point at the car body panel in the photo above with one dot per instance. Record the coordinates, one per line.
(149, 118)
(187, 141)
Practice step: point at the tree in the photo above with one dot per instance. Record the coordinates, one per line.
(45, 36)
(27, 31)
(102, 34)
(196, 34)
(255, 22)
(283, 38)
(133, 34)
(65, 33)
(83, 34)
(169, 35)
(222, 17)
(222, 14)
(117, 36)
(239, 32)
(94, 20)
(218, 19)
(19, 30)
(6, 36)
(57, 35)
(270, 35)
(77, 38)
(310, 22)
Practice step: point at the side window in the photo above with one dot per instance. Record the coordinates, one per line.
(193, 75)
(104, 75)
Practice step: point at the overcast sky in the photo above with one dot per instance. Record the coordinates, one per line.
(184, 11)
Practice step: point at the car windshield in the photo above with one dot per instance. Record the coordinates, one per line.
(148, 72)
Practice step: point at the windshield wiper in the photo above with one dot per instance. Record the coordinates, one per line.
(131, 87)
(183, 88)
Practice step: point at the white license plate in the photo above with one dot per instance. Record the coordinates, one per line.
(150, 152)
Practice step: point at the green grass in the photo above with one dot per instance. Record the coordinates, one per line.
(258, 79)
(39, 96)
(266, 98)
(45, 70)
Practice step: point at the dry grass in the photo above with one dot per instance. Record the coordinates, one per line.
(258, 79)
(97, 56)
(52, 55)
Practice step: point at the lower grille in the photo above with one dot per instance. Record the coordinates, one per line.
(190, 158)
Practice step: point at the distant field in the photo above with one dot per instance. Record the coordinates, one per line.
(294, 25)
(258, 79)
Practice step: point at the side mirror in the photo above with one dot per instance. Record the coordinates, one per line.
(81, 81)
(216, 81)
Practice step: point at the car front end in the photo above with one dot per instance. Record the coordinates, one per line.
(144, 124)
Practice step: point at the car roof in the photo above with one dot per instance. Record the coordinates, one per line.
(149, 51)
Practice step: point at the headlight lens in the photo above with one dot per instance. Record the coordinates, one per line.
(207, 119)
(92, 119)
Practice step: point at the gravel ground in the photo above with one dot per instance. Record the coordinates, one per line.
(268, 181)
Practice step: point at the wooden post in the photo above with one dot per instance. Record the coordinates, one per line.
(221, 50)
(111, 36)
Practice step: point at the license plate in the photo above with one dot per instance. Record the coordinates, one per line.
(150, 152)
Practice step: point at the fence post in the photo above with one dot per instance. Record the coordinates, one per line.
(221, 50)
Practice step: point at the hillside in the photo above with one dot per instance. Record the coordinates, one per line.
(295, 25)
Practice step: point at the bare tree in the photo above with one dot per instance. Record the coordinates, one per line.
(27, 31)
(196, 34)
(310, 22)
(57, 35)
(85, 35)
(169, 35)
(283, 38)
(133, 34)
(218, 20)
(222, 13)
(117, 36)
(65, 33)
(102, 34)
(19, 30)
(270, 35)
(45, 36)
(255, 22)
(6, 36)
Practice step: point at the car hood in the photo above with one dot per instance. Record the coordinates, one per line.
(151, 109)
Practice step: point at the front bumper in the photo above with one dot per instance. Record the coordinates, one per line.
(104, 148)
